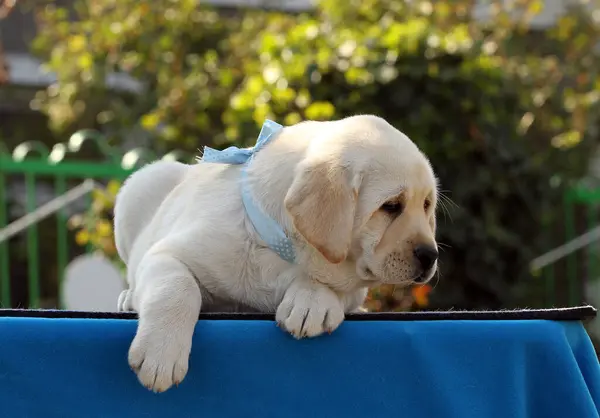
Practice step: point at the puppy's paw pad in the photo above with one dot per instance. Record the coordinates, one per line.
(310, 312)
(159, 362)
(125, 303)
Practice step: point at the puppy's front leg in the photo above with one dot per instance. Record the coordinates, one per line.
(309, 308)
(168, 302)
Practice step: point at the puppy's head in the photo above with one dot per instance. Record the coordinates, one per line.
(364, 193)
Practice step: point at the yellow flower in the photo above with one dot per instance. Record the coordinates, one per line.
(150, 121)
(103, 228)
(82, 237)
(77, 43)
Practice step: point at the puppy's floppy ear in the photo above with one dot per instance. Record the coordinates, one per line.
(322, 202)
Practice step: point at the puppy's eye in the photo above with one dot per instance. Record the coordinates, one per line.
(427, 205)
(393, 208)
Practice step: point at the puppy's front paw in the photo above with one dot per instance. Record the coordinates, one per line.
(310, 311)
(159, 358)
(125, 301)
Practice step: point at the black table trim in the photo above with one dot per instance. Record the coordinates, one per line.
(578, 313)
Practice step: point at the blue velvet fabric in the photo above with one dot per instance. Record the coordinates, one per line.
(240, 369)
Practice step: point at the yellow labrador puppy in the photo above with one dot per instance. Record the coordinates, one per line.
(301, 225)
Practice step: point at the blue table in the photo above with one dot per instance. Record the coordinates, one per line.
(457, 368)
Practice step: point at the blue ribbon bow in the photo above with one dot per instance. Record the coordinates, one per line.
(268, 229)
(235, 155)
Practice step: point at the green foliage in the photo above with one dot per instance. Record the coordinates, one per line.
(499, 106)
(94, 228)
(173, 48)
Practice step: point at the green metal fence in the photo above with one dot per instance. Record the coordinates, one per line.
(565, 279)
(60, 168)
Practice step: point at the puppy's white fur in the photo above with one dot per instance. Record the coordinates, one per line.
(188, 244)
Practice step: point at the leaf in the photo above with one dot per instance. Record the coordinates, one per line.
(320, 111)
(567, 139)
(99, 199)
(113, 187)
(261, 113)
(292, 118)
(232, 133)
(76, 43)
(85, 61)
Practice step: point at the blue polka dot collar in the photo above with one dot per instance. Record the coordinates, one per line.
(268, 229)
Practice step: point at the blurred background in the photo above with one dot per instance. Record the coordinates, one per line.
(501, 95)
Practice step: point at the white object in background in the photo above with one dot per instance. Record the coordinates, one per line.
(92, 283)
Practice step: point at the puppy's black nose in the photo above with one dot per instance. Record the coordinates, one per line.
(426, 256)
